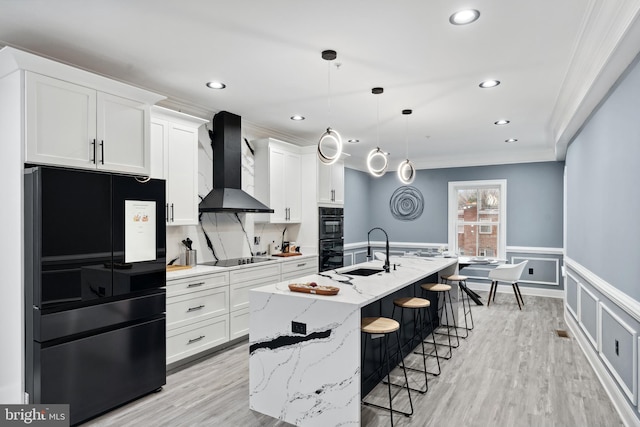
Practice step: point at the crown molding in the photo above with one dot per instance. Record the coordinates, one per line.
(607, 43)
(460, 160)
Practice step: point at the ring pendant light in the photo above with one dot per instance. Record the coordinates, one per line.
(330, 136)
(376, 153)
(406, 170)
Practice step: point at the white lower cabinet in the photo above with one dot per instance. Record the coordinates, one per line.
(197, 306)
(197, 314)
(239, 323)
(299, 268)
(241, 282)
(197, 337)
(209, 310)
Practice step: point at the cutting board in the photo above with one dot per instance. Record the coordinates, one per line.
(287, 254)
(177, 267)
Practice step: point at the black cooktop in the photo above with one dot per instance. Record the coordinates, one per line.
(237, 261)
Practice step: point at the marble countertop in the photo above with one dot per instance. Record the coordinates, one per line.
(201, 269)
(361, 290)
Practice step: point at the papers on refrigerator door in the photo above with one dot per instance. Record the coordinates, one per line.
(139, 231)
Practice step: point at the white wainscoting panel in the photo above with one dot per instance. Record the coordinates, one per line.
(631, 392)
(585, 295)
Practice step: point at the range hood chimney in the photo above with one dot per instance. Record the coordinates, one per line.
(227, 194)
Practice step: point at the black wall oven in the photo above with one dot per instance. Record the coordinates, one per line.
(331, 223)
(331, 234)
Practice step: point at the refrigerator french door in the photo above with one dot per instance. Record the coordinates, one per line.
(94, 271)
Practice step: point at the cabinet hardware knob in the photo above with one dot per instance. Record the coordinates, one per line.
(302, 265)
(200, 307)
(172, 212)
(102, 151)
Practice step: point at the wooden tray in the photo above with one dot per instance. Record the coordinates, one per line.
(177, 267)
(317, 290)
(285, 254)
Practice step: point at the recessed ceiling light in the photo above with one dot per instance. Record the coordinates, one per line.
(489, 83)
(510, 140)
(353, 141)
(501, 122)
(463, 17)
(216, 85)
(297, 117)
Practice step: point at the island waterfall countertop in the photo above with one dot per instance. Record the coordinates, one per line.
(363, 290)
(304, 354)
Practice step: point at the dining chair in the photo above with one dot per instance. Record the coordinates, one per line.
(507, 273)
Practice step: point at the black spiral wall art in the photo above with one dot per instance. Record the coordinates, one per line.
(406, 203)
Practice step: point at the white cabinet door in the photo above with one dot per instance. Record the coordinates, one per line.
(293, 187)
(159, 135)
(337, 182)
(174, 157)
(122, 136)
(182, 174)
(277, 183)
(331, 183)
(60, 122)
(278, 166)
(325, 186)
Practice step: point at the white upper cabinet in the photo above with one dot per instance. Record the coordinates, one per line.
(61, 122)
(123, 142)
(76, 126)
(77, 119)
(277, 180)
(174, 153)
(331, 183)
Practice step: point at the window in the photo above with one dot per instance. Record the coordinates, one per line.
(485, 229)
(477, 218)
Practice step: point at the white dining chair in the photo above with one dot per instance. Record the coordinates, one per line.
(507, 273)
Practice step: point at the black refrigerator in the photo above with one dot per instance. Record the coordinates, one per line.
(95, 267)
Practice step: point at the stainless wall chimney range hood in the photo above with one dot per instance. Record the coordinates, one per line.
(227, 194)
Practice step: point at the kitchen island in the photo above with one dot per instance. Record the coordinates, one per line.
(312, 377)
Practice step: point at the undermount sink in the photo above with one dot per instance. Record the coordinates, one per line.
(364, 271)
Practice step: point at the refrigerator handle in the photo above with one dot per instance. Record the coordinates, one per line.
(166, 212)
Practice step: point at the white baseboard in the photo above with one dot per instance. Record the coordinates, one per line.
(524, 290)
(626, 411)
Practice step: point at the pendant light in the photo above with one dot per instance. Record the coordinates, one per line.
(406, 170)
(376, 153)
(330, 136)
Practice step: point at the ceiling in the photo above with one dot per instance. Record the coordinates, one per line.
(549, 56)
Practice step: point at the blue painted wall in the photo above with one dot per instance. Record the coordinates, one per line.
(534, 203)
(357, 190)
(603, 197)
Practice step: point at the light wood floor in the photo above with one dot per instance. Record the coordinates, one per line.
(513, 370)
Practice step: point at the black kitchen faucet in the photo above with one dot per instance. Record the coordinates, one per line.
(386, 261)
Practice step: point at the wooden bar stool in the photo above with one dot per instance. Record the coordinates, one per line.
(374, 327)
(444, 289)
(417, 305)
(462, 285)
